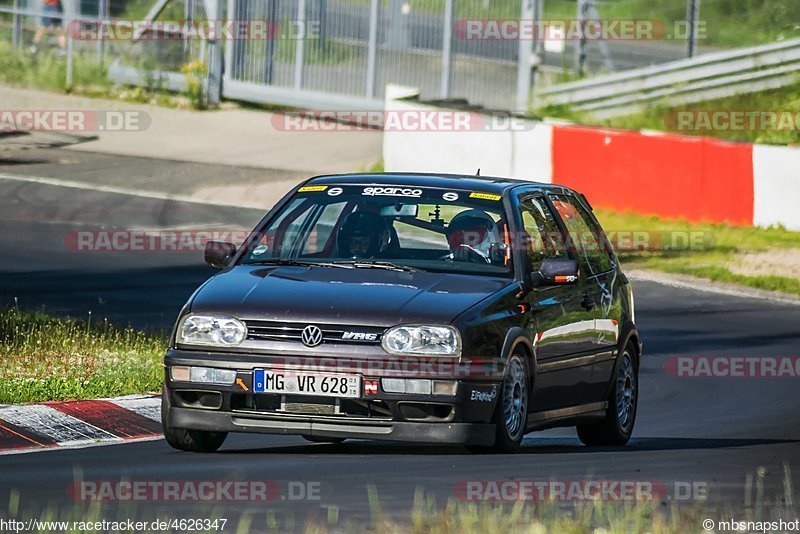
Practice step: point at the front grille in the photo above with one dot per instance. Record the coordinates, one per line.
(300, 405)
(312, 408)
(335, 334)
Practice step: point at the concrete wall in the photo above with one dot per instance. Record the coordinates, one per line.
(697, 178)
(520, 152)
(776, 184)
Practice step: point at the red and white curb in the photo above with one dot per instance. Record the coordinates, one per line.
(53, 425)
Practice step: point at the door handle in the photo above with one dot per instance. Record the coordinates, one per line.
(588, 301)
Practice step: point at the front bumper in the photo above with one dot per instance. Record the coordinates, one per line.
(464, 418)
(442, 433)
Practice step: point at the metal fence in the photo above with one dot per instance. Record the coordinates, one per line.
(342, 53)
(44, 31)
(686, 81)
(356, 47)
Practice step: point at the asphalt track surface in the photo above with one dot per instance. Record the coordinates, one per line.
(710, 431)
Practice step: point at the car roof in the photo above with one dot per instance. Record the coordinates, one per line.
(490, 184)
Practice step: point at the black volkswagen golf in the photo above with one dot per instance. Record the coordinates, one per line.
(421, 308)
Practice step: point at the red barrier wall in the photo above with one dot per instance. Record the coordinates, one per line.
(667, 175)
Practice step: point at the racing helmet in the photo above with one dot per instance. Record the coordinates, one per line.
(471, 230)
(363, 235)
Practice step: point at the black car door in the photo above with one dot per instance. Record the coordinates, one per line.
(562, 330)
(598, 264)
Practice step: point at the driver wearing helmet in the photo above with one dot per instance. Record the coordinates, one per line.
(470, 235)
(363, 235)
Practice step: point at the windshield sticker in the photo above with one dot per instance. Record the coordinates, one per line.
(485, 196)
(260, 249)
(392, 192)
(450, 196)
(335, 191)
(312, 188)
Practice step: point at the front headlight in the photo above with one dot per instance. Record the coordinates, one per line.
(215, 330)
(422, 341)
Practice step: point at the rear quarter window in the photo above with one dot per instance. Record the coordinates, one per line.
(587, 237)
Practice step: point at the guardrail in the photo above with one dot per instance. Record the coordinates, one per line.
(715, 75)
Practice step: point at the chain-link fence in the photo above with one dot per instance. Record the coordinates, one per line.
(355, 47)
(60, 43)
(321, 53)
(719, 25)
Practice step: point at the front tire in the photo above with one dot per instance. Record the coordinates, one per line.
(511, 413)
(617, 426)
(188, 440)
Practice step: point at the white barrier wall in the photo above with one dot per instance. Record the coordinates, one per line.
(520, 150)
(532, 157)
(524, 150)
(776, 186)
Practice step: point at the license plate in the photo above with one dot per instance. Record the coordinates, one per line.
(301, 383)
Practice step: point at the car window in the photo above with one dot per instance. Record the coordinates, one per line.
(322, 230)
(541, 237)
(292, 235)
(410, 236)
(420, 227)
(586, 237)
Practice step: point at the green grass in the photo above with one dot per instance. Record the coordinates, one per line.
(45, 70)
(48, 71)
(661, 117)
(45, 358)
(590, 517)
(729, 23)
(453, 517)
(137, 9)
(723, 247)
(329, 52)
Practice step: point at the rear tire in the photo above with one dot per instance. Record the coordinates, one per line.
(188, 440)
(617, 426)
(511, 412)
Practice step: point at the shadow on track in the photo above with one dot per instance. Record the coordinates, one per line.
(531, 446)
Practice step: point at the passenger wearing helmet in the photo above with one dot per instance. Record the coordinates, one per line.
(363, 235)
(470, 235)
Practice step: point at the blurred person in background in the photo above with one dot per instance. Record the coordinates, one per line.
(49, 24)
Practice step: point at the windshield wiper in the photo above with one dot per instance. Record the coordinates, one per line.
(353, 264)
(389, 266)
(299, 263)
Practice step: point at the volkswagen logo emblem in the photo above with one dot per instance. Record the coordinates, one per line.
(311, 336)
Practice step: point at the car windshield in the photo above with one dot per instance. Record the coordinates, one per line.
(387, 226)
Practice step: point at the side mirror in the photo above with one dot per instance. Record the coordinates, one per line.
(555, 273)
(219, 253)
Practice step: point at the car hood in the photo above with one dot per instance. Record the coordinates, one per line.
(370, 297)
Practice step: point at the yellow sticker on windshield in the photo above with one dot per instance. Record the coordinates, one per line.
(485, 196)
(312, 188)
